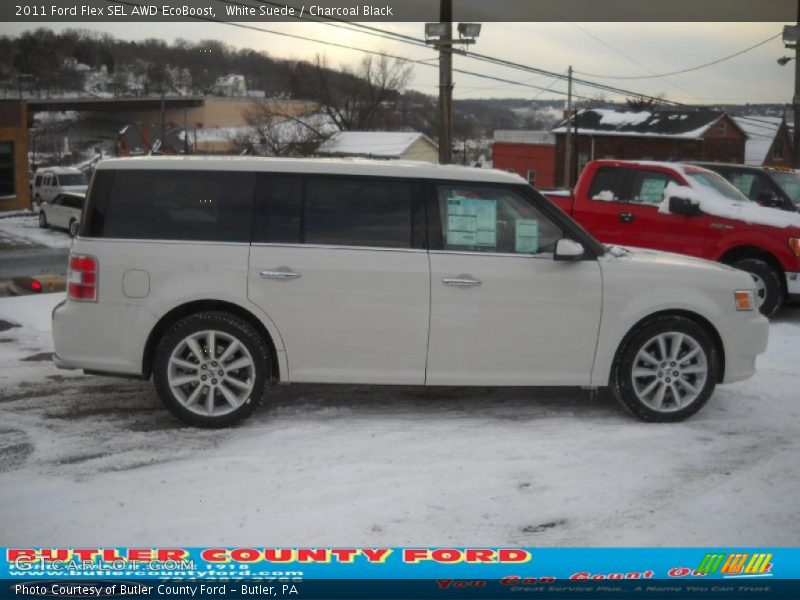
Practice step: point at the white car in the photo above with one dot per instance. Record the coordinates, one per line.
(49, 182)
(219, 277)
(63, 212)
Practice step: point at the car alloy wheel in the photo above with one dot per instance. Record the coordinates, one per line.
(670, 371)
(212, 369)
(211, 373)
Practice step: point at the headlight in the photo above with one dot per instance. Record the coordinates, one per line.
(794, 244)
(745, 300)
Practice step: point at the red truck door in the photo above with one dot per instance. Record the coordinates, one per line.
(622, 208)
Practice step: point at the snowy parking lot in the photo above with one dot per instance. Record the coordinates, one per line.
(87, 460)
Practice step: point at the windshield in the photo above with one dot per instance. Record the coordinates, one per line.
(789, 182)
(71, 179)
(703, 180)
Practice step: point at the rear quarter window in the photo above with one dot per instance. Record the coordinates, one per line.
(171, 205)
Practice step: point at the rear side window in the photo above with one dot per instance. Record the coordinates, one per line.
(72, 202)
(339, 211)
(607, 184)
(171, 205)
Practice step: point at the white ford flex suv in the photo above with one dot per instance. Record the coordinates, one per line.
(219, 277)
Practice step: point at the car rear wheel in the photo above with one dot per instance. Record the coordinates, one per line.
(73, 228)
(42, 220)
(769, 291)
(212, 369)
(666, 370)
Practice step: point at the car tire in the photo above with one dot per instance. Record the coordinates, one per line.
(73, 228)
(769, 291)
(666, 369)
(42, 219)
(212, 369)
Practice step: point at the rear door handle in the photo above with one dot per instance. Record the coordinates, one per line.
(461, 281)
(626, 217)
(279, 275)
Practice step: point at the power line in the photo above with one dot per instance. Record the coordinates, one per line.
(689, 70)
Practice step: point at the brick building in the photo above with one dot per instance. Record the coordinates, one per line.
(530, 154)
(14, 189)
(650, 135)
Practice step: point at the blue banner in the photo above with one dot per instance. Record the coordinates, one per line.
(389, 572)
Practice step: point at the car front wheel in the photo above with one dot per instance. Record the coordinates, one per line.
(666, 370)
(769, 291)
(73, 228)
(212, 369)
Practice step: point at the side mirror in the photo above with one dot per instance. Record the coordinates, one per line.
(684, 206)
(767, 199)
(569, 250)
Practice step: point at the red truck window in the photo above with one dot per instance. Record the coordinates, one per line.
(648, 186)
(607, 184)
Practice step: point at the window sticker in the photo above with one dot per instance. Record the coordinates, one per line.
(652, 191)
(527, 238)
(471, 222)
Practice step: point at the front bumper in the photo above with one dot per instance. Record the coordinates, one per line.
(793, 286)
(747, 340)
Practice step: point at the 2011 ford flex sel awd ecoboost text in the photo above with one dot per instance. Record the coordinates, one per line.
(220, 276)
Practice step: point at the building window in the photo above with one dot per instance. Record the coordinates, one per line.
(532, 177)
(7, 187)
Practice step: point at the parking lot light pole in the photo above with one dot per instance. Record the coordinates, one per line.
(440, 35)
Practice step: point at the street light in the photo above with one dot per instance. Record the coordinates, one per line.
(784, 60)
(468, 32)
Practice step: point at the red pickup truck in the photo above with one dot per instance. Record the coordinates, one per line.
(689, 210)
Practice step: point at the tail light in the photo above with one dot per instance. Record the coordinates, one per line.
(82, 278)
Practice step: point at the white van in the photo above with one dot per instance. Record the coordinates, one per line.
(221, 276)
(52, 181)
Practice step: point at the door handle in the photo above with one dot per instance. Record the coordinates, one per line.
(626, 217)
(461, 281)
(279, 275)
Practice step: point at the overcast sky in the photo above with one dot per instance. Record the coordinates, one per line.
(606, 49)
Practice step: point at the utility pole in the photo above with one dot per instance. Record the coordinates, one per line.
(568, 137)
(796, 99)
(162, 147)
(446, 83)
(440, 35)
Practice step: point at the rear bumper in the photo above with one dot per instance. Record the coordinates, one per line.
(746, 341)
(98, 337)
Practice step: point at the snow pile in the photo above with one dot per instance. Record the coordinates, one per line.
(605, 196)
(712, 203)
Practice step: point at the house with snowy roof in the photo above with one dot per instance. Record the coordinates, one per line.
(386, 145)
(769, 141)
(650, 135)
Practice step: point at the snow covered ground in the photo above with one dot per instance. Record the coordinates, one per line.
(87, 461)
(24, 230)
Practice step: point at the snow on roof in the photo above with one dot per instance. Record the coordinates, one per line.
(524, 137)
(661, 123)
(386, 144)
(761, 132)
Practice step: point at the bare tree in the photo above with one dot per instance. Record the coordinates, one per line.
(283, 127)
(359, 99)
